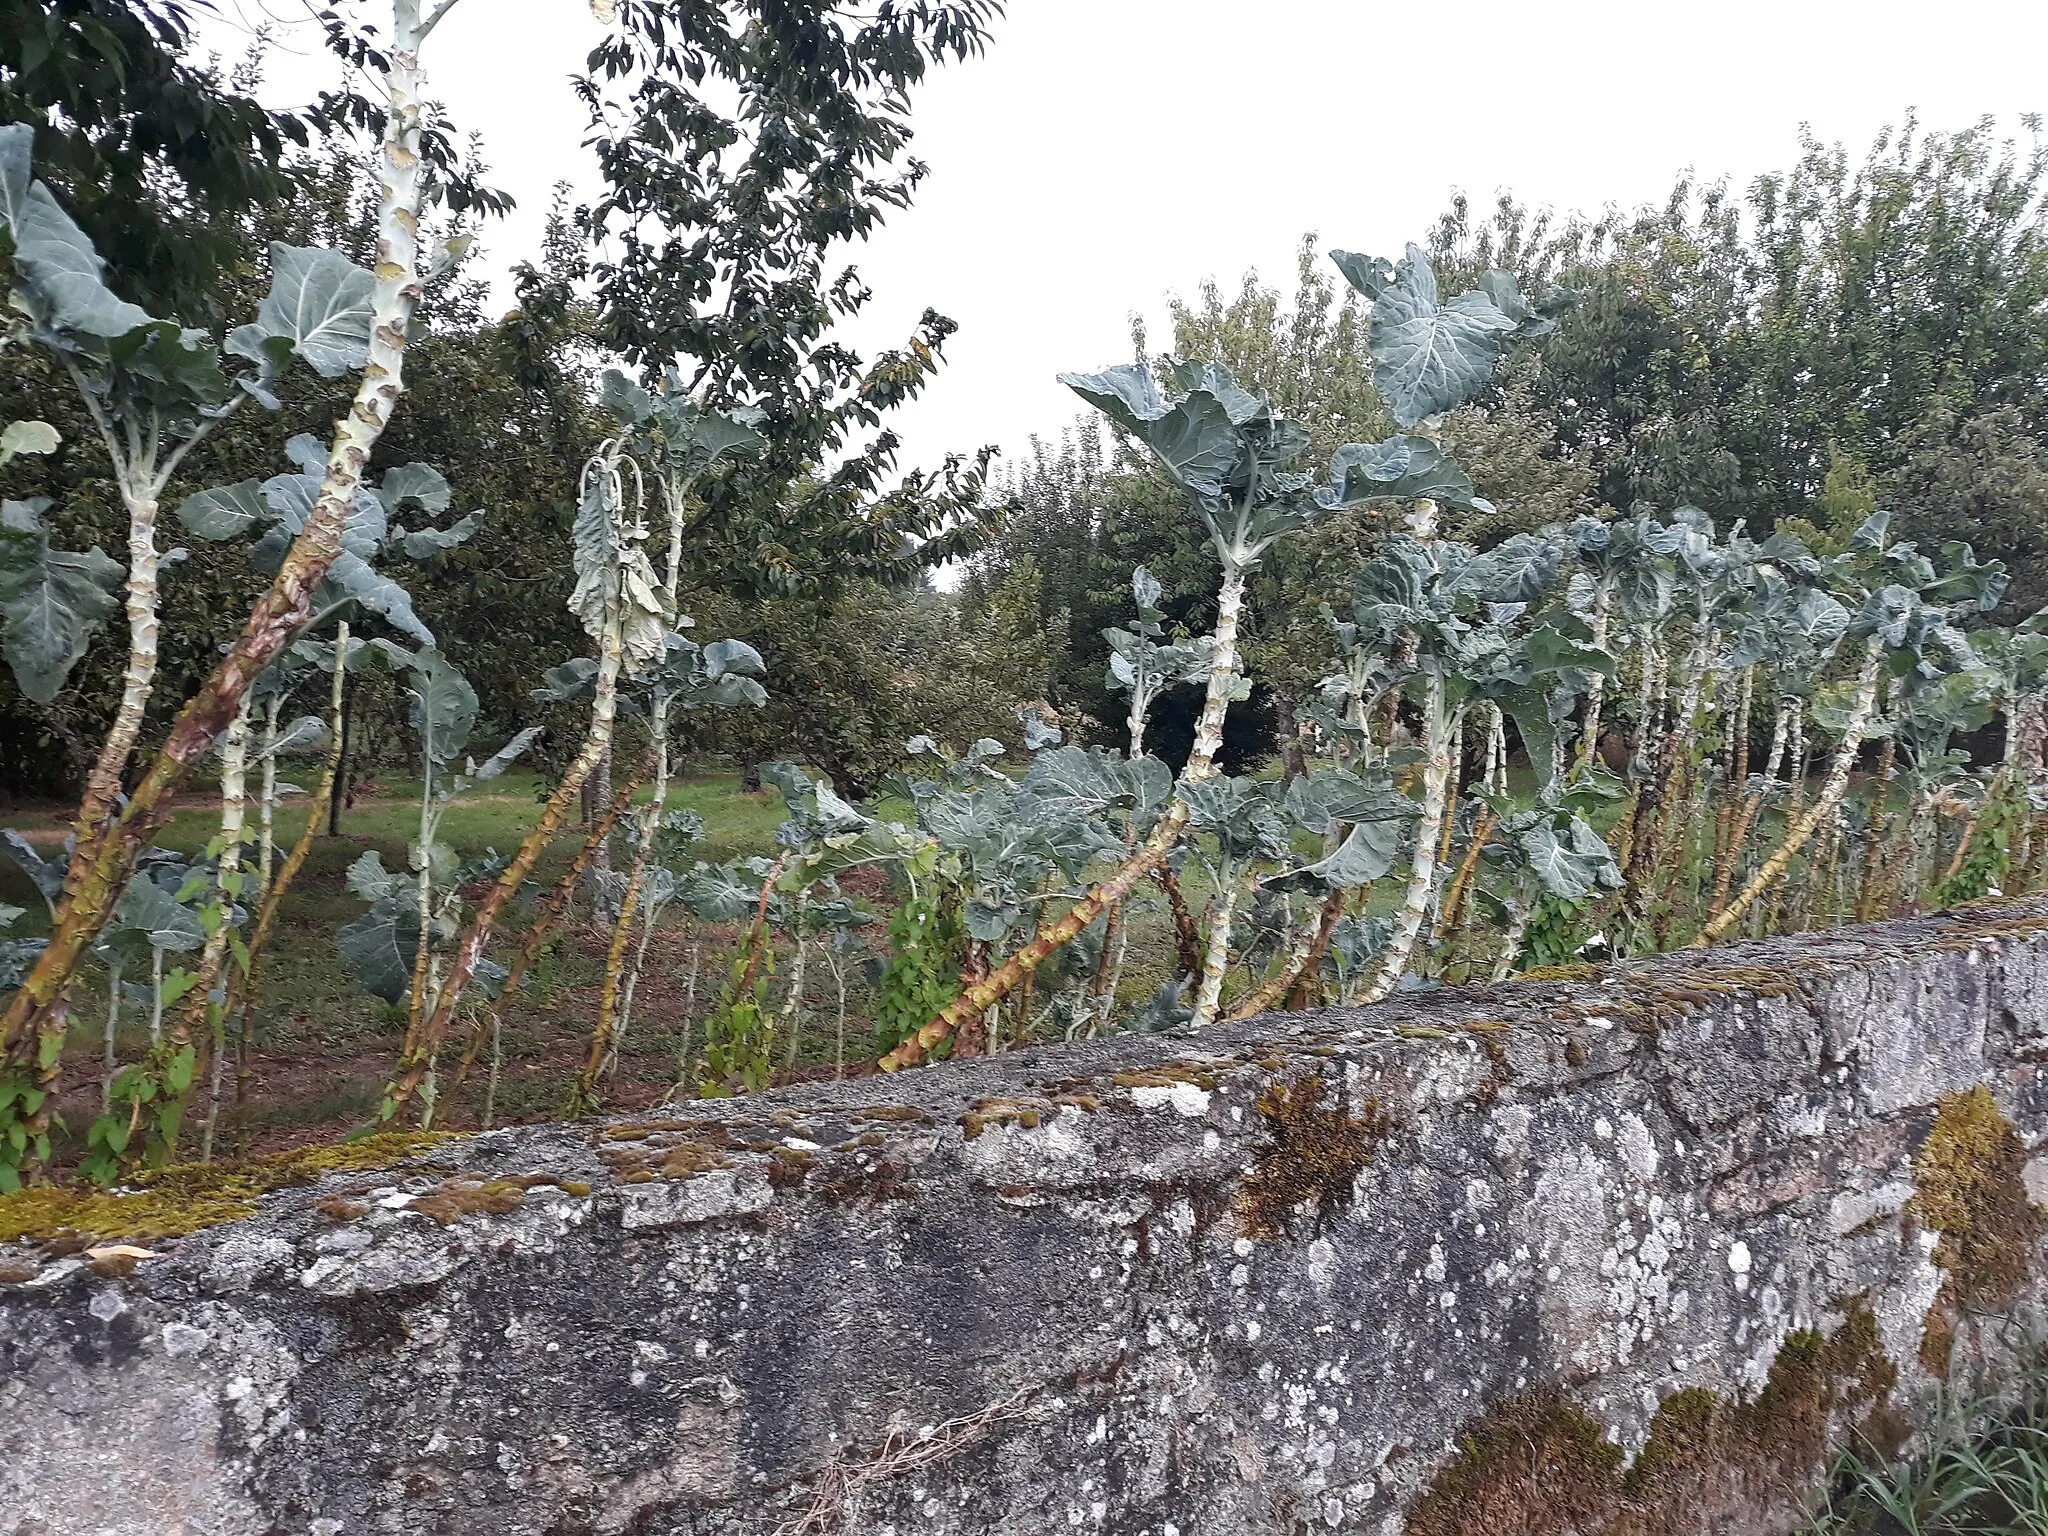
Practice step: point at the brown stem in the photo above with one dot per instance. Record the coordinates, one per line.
(1187, 938)
(245, 988)
(1804, 826)
(419, 1050)
(1876, 833)
(1306, 955)
(608, 996)
(1299, 995)
(544, 921)
(1454, 899)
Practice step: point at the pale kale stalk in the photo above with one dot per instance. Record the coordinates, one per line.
(1232, 457)
(245, 984)
(1428, 358)
(621, 609)
(1234, 460)
(322, 312)
(682, 442)
(1905, 622)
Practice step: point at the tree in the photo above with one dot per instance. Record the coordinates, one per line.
(741, 145)
(1730, 350)
(1984, 479)
(859, 674)
(144, 149)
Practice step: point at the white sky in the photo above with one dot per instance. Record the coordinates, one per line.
(1105, 153)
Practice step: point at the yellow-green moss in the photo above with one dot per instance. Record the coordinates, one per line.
(171, 1202)
(474, 1194)
(1168, 1075)
(983, 1113)
(1573, 970)
(646, 1160)
(1967, 1186)
(1691, 1429)
(1540, 1466)
(1313, 1157)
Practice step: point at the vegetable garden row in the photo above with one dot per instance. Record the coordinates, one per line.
(1603, 738)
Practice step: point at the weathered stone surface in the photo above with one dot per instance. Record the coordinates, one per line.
(1258, 1280)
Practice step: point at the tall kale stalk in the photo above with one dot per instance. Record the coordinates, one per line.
(621, 610)
(351, 324)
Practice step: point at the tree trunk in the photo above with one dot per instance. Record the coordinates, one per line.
(1293, 762)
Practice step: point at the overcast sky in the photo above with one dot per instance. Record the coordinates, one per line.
(1106, 153)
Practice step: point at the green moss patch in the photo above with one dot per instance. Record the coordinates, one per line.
(1539, 1465)
(171, 1202)
(1967, 1186)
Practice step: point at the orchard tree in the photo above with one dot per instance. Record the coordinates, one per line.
(741, 147)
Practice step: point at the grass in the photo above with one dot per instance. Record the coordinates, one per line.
(1985, 1473)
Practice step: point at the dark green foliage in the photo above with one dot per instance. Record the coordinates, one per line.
(740, 146)
(135, 137)
(922, 974)
(1987, 860)
(858, 674)
(1554, 935)
(739, 1036)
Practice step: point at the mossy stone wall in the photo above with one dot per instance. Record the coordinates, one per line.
(1612, 1253)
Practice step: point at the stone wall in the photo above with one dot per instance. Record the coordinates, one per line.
(1613, 1255)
